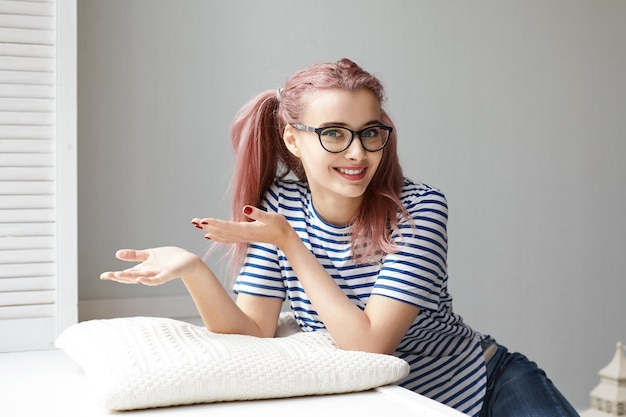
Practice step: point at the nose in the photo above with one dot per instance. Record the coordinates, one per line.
(356, 151)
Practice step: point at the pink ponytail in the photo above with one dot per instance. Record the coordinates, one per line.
(260, 157)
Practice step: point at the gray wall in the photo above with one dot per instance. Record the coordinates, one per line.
(515, 109)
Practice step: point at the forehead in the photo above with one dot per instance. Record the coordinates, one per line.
(350, 108)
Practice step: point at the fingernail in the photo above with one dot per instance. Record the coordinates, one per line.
(247, 210)
(205, 222)
(207, 237)
(198, 226)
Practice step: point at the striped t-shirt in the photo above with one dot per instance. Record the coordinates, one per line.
(444, 353)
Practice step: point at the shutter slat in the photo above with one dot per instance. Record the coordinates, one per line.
(41, 37)
(26, 160)
(26, 77)
(12, 188)
(25, 216)
(27, 8)
(27, 173)
(27, 132)
(14, 202)
(23, 271)
(27, 242)
(26, 187)
(27, 22)
(27, 284)
(25, 298)
(27, 145)
(27, 91)
(27, 255)
(26, 312)
(27, 118)
(27, 64)
(27, 104)
(26, 229)
(27, 50)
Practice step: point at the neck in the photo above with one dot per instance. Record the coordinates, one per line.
(337, 213)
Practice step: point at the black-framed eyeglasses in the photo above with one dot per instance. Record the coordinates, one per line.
(336, 139)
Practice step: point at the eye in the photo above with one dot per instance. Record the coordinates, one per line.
(333, 133)
(372, 132)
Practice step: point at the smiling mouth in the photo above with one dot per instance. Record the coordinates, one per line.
(352, 173)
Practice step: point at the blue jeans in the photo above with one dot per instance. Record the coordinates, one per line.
(517, 387)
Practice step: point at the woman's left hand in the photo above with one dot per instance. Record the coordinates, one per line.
(266, 227)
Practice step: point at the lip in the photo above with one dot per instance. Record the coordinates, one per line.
(352, 173)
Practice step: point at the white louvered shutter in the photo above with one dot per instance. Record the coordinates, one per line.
(37, 172)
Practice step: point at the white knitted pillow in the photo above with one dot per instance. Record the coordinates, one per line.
(144, 362)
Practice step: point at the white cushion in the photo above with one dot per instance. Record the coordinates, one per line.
(144, 362)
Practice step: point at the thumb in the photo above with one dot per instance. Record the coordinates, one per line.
(252, 212)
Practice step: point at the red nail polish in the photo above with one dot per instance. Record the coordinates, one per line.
(207, 237)
(247, 210)
(198, 226)
(205, 222)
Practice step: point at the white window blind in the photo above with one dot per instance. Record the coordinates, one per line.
(37, 172)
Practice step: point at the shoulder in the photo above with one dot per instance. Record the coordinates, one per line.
(415, 194)
(286, 195)
(289, 189)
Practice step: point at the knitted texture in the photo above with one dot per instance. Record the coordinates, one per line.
(144, 362)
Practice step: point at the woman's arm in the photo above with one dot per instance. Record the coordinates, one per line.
(219, 312)
(378, 328)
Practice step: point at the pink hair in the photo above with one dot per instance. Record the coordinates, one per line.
(262, 157)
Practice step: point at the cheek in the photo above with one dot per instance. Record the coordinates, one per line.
(315, 163)
(376, 161)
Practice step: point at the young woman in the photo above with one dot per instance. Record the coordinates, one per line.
(323, 217)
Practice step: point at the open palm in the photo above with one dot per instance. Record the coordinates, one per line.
(155, 266)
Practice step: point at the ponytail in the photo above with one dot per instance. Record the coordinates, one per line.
(260, 157)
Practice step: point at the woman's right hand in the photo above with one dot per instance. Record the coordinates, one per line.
(155, 266)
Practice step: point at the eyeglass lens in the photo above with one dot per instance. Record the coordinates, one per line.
(336, 139)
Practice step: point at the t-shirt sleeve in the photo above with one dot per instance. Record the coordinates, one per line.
(260, 274)
(417, 272)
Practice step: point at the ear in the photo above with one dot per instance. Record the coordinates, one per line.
(291, 141)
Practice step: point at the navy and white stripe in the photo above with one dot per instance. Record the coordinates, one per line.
(444, 354)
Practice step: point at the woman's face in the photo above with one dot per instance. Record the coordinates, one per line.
(337, 180)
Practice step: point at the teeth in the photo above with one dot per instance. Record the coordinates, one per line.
(350, 171)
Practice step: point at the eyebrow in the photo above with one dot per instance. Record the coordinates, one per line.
(371, 122)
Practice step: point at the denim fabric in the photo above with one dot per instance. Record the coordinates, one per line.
(517, 387)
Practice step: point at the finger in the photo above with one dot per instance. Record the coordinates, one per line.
(107, 275)
(257, 214)
(197, 222)
(250, 211)
(132, 255)
(224, 231)
(135, 273)
(110, 276)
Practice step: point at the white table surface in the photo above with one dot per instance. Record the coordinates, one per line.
(48, 383)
